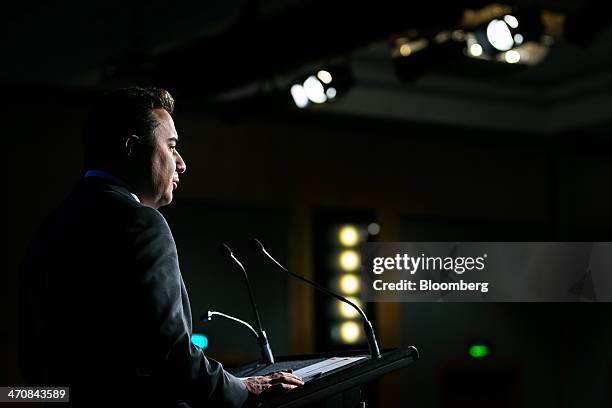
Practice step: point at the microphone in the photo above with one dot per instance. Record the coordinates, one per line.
(266, 351)
(367, 326)
(207, 317)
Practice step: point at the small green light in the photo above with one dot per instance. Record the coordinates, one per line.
(479, 350)
(199, 340)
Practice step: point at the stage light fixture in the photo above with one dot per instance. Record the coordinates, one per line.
(405, 50)
(299, 96)
(507, 32)
(343, 237)
(324, 76)
(314, 90)
(348, 235)
(511, 21)
(349, 260)
(499, 35)
(475, 50)
(518, 39)
(349, 284)
(512, 56)
(324, 86)
(346, 311)
(405, 47)
(350, 332)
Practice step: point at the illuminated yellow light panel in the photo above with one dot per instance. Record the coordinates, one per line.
(348, 236)
(349, 260)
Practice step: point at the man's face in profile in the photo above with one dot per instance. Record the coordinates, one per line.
(165, 162)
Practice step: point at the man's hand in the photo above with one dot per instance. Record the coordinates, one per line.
(276, 382)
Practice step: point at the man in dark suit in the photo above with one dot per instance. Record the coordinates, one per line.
(103, 306)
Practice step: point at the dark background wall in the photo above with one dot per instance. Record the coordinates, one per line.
(217, 285)
(265, 175)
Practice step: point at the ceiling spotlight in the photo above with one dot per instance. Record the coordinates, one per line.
(322, 86)
(314, 90)
(299, 96)
(511, 21)
(405, 50)
(518, 39)
(512, 56)
(499, 35)
(324, 76)
(475, 50)
(510, 31)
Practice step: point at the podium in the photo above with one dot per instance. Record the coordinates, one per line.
(338, 388)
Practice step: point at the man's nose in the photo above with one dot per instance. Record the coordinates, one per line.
(181, 167)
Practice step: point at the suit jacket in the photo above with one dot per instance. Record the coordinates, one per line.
(104, 310)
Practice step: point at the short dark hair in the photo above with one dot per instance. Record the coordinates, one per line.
(117, 115)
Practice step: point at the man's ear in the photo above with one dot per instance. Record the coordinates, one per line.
(131, 142)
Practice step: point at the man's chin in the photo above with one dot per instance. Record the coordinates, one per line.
(160, 202)
(165, 200)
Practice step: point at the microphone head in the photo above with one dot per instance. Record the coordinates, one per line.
(225, 250)
(257, 246)
(207, 317)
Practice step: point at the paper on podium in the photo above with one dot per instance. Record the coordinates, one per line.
(316, 370)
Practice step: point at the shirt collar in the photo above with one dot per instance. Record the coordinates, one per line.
(108, 176)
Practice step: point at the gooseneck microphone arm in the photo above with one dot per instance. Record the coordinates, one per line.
(266, 351)
(209, 315)
(367, 326)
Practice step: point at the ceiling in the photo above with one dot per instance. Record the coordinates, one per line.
(216, 47)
